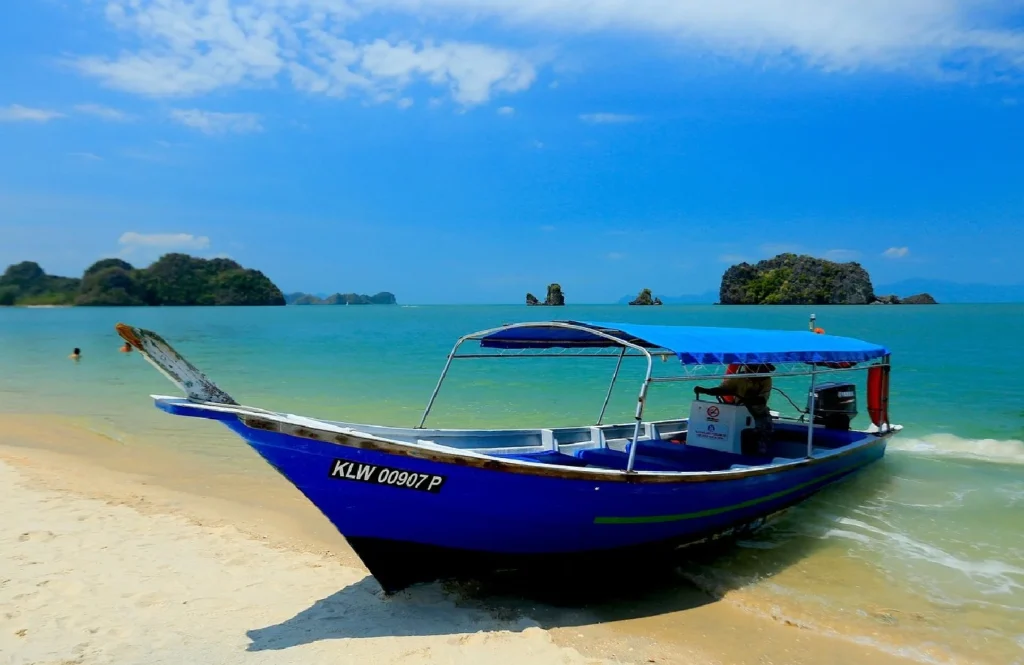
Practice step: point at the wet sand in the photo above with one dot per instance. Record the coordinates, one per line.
(131, 553)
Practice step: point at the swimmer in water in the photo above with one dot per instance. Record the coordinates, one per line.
(76, 354)
(126, 348)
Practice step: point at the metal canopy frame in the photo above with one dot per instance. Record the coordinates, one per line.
(693, 372)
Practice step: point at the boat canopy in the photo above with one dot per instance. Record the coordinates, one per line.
(693, 345)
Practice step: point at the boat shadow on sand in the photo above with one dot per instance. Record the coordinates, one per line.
(584, 596)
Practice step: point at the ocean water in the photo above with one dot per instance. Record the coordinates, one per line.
(922, 554)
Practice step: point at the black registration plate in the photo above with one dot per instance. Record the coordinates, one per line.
(343, 469)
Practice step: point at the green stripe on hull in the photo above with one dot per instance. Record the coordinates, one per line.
(654, 519)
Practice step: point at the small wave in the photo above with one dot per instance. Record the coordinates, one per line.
(1009, 451)
(1015, 493)
(849, 535)
(989, 576)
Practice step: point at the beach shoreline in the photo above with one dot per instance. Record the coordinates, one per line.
(54, 471)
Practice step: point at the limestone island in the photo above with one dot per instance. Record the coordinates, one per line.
(174, 279)
(382, 298)
(645, 298)
(791, 279)
(555, 297)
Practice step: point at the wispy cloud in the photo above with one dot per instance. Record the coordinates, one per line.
(732, 258)
(547, 228)
(348, 48)
(405, 102)
(104, 112)
(607, 118)
(615, 256)
(506, 110)
(190, 48)
(896, 252)
(164, 240)
(131, 241)
(212, 122)
(86, 156)
(962, 37)
(842, 254)
(18, 113)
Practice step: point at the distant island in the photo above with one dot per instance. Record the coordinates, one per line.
(555, 297)
(174, 279)
(645, 298)
(948, 292)
(707, 298)
(382, 298)
(791, 279)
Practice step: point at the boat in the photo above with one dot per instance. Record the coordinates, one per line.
(418, 504)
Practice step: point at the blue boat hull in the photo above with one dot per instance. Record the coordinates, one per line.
(412, 518)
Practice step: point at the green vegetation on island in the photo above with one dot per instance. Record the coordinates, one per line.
(919, 299)
(174, 279)
(26, 283)
(791, 279)
(555, 297)
(382, 298)
(645, 298)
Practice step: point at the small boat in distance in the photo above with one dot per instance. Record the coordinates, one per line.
(417, 504)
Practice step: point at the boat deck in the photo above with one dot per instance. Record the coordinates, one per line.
(662, 445)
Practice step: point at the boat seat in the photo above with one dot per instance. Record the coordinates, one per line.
(823, 437)
(695, 458)
(615, 459)
(547, 457)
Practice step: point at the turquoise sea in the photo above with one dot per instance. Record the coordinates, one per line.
(922, 554)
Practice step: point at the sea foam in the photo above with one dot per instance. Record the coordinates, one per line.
(1008, 451)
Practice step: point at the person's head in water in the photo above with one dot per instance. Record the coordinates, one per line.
(76, 354)
(126, 348)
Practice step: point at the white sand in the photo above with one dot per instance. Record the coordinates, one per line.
(115, 553)
(84, 581)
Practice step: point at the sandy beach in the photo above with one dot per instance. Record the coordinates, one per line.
(119, 554)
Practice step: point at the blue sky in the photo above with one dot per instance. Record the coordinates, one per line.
(468, 151)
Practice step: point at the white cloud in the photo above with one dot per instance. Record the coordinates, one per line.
(150, 243)
(86, 156)
(896, 252)
(190, 47)
(607, 118)
(18, 113)
(103, 112)
(472, 72)
(842, 254)
(211, 122)
(732, 258)
(405, 102)
(506, 110)
(616, 256)
(918, 35)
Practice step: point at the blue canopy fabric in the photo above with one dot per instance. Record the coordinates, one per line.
(694, 345)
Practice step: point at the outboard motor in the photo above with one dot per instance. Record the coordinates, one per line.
(835, 405)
